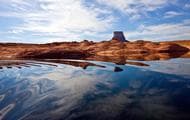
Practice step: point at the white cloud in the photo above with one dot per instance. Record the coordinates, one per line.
(171, 14)
(187, 5)
(66, 19)
(135, 8)
(171, 31)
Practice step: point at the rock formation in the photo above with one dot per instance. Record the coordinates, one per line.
(118, 35)
(113, 50)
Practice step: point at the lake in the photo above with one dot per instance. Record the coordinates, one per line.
(93, 90)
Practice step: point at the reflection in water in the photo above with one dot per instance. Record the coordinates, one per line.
(136, 63)
(5, 110)
(82, 64)
(21, 63)
(72, 90)
(121, 59)
(117, 69)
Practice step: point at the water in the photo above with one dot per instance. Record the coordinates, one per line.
(92, 90)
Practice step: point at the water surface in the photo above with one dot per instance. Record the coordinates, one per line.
(92, 90)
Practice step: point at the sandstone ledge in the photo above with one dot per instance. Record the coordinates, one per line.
(90, 50)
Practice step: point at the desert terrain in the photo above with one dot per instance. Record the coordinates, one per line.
(113, 50)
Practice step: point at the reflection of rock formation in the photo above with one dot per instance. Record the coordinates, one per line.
(118, 69)
(20, 63)
(122, 59)
(136, 63)
(83, 65)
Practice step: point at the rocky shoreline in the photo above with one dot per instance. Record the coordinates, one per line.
(113, 49)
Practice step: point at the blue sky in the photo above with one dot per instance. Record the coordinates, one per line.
(41, 21)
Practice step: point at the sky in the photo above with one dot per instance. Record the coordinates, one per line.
(42, 21)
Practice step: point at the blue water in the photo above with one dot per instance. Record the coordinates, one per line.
(41, 90)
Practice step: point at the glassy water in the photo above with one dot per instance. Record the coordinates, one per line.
(92, 90)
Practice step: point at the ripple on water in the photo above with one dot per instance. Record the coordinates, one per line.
(2, 97)
(4, 111)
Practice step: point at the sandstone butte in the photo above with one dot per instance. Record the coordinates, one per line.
(113, 50)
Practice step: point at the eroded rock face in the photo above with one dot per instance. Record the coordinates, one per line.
(143, 50)
(118, 35)
(54, 54)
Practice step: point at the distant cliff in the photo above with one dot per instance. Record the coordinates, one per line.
(118, 35)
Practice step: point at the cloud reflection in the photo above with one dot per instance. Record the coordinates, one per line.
(68, 92)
